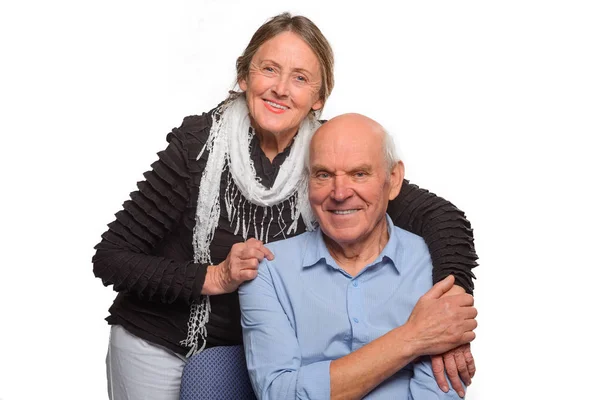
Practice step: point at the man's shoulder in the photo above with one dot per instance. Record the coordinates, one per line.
(408, 238)
(411, 251)
(291, 247)
(289, 255)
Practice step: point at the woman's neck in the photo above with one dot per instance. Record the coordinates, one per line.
(273, 143)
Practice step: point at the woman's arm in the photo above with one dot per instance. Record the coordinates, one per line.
(449, 236)
(444, 227)
(124, 258)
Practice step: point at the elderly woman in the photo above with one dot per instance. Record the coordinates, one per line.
(229, 181)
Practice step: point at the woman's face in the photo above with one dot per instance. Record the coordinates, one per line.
(282, 85)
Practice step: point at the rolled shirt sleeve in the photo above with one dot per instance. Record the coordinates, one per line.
(272, 350)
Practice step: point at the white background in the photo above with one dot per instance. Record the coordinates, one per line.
(494, 105)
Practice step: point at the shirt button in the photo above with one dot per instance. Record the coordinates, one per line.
(355, 320)
(355, 284)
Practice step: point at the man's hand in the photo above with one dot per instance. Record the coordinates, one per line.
(440, 324)
(240, 265)
(459, 365)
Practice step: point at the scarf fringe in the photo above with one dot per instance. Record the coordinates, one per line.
(228, 145)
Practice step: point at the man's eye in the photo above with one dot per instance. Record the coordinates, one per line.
(360, 174)
(322, 175)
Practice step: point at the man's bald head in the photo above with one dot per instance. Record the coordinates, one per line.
(348, 125)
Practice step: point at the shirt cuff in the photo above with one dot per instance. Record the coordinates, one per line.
(314, 382)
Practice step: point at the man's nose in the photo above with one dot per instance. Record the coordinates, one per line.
(341, 188)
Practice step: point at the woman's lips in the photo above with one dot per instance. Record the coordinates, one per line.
(275, 107)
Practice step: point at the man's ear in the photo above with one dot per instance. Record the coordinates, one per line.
(396, 179)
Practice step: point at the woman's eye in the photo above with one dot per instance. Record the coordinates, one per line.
(301, 78)
(269, 69)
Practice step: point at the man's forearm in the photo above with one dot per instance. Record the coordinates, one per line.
(355, 375)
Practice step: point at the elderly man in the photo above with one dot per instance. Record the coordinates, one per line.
(348, 311)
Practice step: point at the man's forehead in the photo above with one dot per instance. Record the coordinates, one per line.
(346, 152)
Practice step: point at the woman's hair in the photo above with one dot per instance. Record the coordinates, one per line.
(302, 27)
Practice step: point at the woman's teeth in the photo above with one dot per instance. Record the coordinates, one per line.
(275, 105)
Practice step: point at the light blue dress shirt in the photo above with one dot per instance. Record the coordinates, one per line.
(303, 311)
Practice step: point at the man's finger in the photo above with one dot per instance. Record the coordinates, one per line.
(470, 324)
(462, 300)
(469, 312)
(437, 363)
(440, 288)
(468, 337)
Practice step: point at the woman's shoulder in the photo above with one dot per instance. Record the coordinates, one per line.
(192, 134)
(193, 127)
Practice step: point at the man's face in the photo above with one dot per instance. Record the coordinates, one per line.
(349, 186)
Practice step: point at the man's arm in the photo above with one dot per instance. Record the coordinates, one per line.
(272, 351)
(274, 357)
(435, 325)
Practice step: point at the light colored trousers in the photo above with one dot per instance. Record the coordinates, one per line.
(139, 370)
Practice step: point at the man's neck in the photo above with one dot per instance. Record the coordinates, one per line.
(353, 257)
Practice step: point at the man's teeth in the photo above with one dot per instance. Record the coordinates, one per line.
(275, 105)
(344, 212)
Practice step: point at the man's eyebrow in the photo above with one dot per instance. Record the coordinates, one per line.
(318, 167)
(361, 167)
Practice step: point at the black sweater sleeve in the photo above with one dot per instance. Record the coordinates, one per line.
(125, 256)
(444, 227)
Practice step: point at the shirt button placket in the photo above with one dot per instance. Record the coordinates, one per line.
(353, 312)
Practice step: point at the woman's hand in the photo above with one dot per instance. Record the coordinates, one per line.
(458, 363)
(240, 265)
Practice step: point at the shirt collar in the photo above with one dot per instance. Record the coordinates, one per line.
(316, 250)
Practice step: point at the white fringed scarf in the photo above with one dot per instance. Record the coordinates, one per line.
(229, 146)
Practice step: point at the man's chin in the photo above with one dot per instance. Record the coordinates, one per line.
(342, 237)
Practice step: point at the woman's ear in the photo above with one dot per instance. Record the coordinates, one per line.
(318, 104)
(243, 84)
